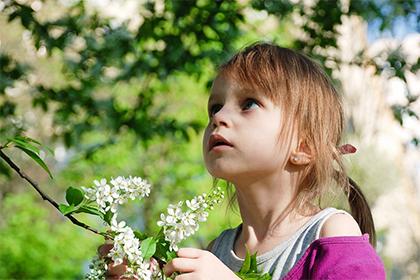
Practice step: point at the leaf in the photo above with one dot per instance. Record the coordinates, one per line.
(28, 139)
(148, 247)
(170, 255)
(162, 250)
(66, 209)
(89, 210)
(140, 235)
(74, 196)
(108, 217)
(21, 142)
(249, 270)
(247, 263)
(253, 265)
(35, 157)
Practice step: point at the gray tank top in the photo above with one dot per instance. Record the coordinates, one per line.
(282, 257)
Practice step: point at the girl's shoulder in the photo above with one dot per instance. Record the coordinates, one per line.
(226, 237)
(340, 224)
(339, 257)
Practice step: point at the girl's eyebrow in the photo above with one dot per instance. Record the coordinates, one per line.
(246, 91)
(240, 92)
(211, 99)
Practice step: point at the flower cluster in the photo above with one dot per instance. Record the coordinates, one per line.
(120, 189)
(127, 246)
(178, 225)
(97, 270)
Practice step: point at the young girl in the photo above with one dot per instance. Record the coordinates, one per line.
(275, 122)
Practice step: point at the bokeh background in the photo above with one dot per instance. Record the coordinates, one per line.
(119, 87)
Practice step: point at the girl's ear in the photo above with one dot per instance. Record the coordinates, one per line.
(302, 155)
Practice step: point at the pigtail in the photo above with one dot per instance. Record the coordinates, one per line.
(359, 206)
(360, 210)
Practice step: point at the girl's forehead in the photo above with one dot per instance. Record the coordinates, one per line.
(226, 85)
(223, 85)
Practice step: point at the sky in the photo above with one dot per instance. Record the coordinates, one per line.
(401, 27)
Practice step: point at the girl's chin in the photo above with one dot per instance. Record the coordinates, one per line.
(221, 174)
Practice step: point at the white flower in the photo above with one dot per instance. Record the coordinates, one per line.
(119, 183)
(126, 245)
(120, 189)
(202, 216)
(117, 227)
(90, 193)
(177, 225)
(103, 193)
(141, 186)
(143, 271)
(97, 269)
(193, 204)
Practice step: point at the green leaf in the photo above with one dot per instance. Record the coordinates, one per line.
(170, 255)
(247, 263)
(66, 209)
(148, 247)
(35, 157)
(74, 196)
(89, 210)
(21, 142)
(266, 276)
(254, 276)
(140, 235)
(249, 269)
(108, 217)
(162, 250)
(253, 266)
(27, 139)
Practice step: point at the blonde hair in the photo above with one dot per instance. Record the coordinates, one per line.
(311, 103)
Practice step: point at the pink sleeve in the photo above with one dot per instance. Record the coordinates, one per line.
(342, 257)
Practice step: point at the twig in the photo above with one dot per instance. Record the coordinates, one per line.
(44, 196)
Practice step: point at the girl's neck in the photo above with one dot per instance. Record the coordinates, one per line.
(264, 203)
(267, 211)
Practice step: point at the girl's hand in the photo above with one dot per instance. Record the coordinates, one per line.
(117, 271)
(113, 272)
(198, 264)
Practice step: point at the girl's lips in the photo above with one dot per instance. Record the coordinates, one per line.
(218, 142)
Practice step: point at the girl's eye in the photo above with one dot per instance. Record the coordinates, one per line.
(250, 103)
(214, 109)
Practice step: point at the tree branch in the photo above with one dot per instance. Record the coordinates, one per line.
(44, 196)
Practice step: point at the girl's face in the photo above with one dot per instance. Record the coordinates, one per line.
(241, 140)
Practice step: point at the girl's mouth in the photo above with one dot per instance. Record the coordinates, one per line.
(218, 142)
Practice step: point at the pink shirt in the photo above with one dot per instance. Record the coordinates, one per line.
(341, 257)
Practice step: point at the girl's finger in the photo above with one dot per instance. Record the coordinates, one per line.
(186, 276)
(104, 249)
(180, 265)
(191, 253)
(116, 270)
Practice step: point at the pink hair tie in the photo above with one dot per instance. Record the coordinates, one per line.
(347, 149)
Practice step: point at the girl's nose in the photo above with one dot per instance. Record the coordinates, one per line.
(221, 118)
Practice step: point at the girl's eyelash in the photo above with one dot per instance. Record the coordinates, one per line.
(213, 107)
(248, 101)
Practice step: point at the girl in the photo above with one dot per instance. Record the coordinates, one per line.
(275, 122)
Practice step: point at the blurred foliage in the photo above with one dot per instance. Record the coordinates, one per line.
(97, 54)
(117, 98)
(32, 246)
